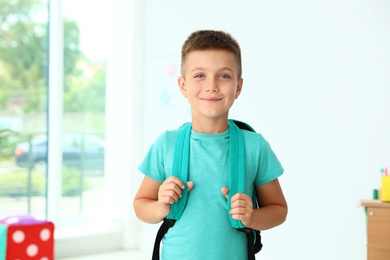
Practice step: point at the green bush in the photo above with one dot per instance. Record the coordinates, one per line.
(7, 143)
(16, 184)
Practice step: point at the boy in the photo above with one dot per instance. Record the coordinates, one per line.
(211, 81)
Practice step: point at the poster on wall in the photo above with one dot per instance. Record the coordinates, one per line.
(164, 106)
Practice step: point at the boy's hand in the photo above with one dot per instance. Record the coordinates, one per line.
(170, 192)
(241, 207)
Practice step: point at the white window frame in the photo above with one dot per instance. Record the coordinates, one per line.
(123, 124)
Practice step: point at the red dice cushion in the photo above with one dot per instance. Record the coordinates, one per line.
(29, 238)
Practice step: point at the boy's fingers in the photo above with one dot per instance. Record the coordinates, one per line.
(240, 197)
(225, 191)
(176, 180)
(190, 185)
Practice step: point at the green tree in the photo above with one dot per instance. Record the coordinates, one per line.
(23, 61)
(22, 53)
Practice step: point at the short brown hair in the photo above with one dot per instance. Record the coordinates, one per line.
(211, 40)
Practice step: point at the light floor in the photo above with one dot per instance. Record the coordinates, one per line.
(119, 255)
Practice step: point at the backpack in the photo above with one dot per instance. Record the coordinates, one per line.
(236, 183)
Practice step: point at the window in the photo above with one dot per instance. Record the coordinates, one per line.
(23, 103)
(24, 100)
(72, 185)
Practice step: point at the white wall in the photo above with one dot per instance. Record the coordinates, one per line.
(123, 119)
(316, 85)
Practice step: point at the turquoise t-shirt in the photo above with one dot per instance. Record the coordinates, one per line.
(204, 230)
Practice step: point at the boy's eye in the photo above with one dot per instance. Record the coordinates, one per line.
(224, 76)
(198, 76)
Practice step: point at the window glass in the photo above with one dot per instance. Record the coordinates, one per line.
(85, 56)
(23, 109)
(23, 101)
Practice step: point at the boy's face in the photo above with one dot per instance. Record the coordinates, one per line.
(210, 82)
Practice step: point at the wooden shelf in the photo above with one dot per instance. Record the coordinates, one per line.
(378, 229)
(375, 203)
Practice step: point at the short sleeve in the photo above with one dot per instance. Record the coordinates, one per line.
(157, 163)
(153, 163)
(262, 164)
(270, 167)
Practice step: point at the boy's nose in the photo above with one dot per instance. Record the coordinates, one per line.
(212, 86)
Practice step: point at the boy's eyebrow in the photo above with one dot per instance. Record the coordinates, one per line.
(227, 68)
(221, 69)
(197, 68)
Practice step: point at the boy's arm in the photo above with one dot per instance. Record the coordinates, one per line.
(272, 211)
(153, 199)
(273, 206)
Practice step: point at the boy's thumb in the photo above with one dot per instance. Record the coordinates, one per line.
(190, 185)
(225, 191)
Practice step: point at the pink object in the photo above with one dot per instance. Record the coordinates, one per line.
(170, 69)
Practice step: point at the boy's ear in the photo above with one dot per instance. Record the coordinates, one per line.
(239, 87)
(182, 86)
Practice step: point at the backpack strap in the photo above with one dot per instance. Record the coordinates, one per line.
(237, 167)
(180, 168)
(165, 226)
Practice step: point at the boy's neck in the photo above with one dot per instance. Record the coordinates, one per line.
(210, 126)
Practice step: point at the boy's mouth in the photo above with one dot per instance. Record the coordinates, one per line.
(211, 100)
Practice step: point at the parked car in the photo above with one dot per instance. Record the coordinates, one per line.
(81, 151)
